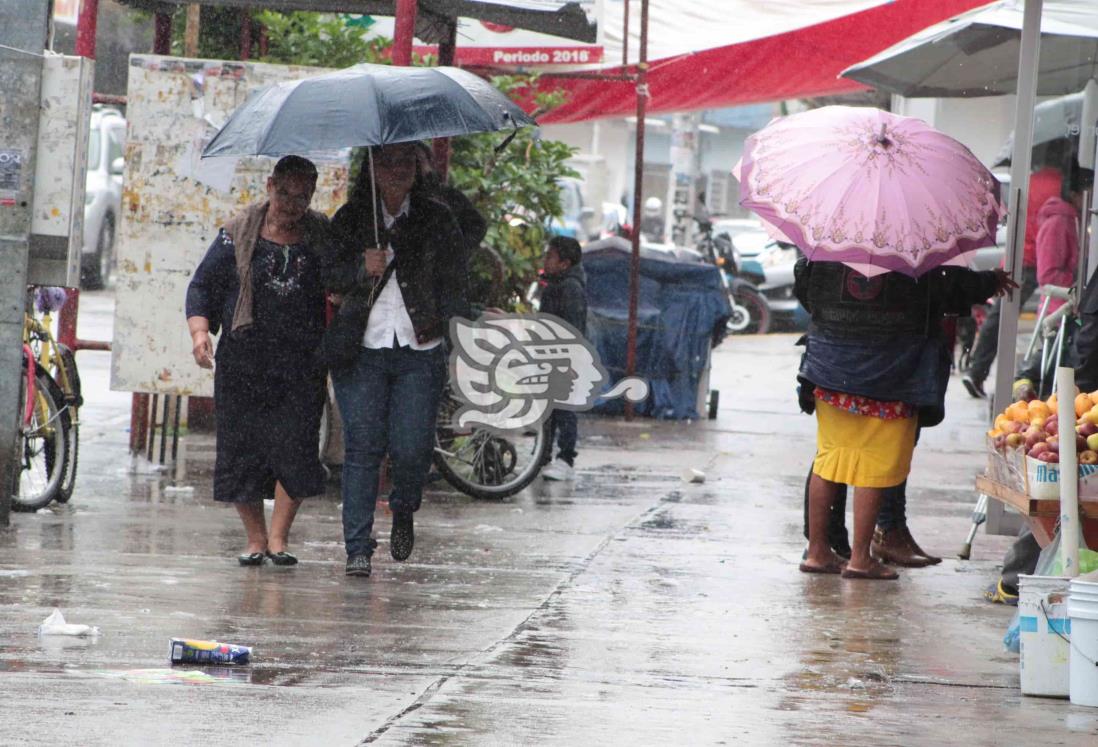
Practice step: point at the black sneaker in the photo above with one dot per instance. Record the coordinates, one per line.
(402, 538)
(975, 388)
(358, 565)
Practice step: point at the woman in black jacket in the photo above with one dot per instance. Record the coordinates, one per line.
(399, 246)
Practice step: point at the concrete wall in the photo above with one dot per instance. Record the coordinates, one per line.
(982, 124)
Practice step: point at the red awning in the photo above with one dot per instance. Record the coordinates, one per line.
(796, 64)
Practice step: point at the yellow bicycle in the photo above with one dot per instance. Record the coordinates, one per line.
(49, 409)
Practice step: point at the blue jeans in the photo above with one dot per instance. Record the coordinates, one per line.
(388, 400)
(563, 430)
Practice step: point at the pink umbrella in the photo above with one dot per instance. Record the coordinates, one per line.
(869, 188)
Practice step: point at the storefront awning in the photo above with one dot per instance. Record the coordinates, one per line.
(761, 66)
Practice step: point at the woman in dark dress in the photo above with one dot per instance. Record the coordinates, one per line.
(260, 283)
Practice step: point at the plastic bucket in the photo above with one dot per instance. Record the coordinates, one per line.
(1083, 608)
(1044, 626)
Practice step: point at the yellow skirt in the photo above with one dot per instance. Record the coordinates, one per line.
(862, 450)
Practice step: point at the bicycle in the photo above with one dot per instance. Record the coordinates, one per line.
(49, 405)
(482, 463)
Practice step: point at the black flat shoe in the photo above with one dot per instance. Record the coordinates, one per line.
(282, 558)
(256, 558)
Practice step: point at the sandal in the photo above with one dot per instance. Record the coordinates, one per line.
(876, 572)
(834, 566)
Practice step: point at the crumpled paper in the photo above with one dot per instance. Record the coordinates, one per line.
(55, 625)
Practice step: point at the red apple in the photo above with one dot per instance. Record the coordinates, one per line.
(1087, 429)
(1034, 436)
(1088, 457)
(1080, 443)
(999, 442)
(1038, 449)
(1013, 426)
(1014, 440)
(1052, 426)
(1053, 444)
(1049, 456)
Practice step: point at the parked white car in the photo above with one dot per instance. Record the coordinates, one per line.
(103, 196)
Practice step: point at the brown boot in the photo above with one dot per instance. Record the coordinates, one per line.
(891, 547)
(914, 547)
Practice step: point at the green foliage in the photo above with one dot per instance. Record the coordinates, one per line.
(515, 190)
(298, 38)
(320, 40)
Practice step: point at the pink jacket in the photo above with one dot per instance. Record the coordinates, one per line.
(1057, 245)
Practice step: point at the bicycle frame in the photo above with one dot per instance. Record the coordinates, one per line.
(32, 386)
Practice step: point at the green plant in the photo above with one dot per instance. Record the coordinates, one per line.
(320, 40)
(515, 188)
(295, 38)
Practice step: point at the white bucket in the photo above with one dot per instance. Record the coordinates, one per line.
(1042, 620)
(1083, 608)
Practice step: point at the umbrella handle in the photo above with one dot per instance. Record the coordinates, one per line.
(373, 195)
(509, 138)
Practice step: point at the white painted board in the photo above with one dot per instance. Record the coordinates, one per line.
(173, 206)
(60, 169)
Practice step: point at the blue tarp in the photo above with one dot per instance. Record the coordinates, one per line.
(682, 311)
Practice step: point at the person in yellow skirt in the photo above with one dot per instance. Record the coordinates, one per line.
(874, 371)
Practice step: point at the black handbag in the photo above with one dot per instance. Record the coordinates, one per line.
(342, 339)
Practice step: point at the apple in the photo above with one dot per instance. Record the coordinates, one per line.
(1049, 456)
(1013, 426)
(1086, 429)
(1088, 457)
(1053, 444)
(1092, 442)
(1038, 422)
(1080, 443)
(1052, 426)
(999, 442)
(1038, 449)
(1014, 440)
(1034, 436)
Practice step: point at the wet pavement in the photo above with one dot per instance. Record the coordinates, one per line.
(628, 607)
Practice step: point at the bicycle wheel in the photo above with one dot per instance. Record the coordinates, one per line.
(484, 464)
(42, 454)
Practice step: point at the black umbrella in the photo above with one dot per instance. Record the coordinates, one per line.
(365, 105)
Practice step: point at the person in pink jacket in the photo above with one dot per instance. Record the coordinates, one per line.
(1058, 235)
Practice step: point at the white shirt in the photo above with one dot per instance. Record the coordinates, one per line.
(389, 316)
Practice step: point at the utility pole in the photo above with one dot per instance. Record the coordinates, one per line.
(638, 180)
(24, 25)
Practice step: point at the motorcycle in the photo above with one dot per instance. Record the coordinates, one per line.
(750, 311)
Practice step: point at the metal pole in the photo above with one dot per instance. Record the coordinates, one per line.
(625, 38)
(139, 423)
(86, 24)
(404, 31)
(86, 27)
(447, 51)
(1069, 488)
(164, 428)
(24, 27)
(638, 183)
(175, 428)
(152, 426)
(1019, 184)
